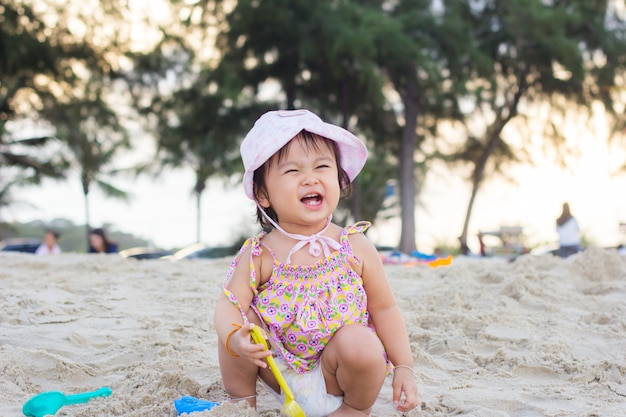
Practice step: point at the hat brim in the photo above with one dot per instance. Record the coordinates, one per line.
(352, 151)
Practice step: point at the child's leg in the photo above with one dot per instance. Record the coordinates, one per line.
(238, 374)
(354, 366)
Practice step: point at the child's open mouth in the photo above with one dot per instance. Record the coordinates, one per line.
(312, 199)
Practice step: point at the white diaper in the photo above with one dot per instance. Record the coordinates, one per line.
(309, 390)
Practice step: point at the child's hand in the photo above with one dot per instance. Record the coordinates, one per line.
(405, 395)
(246, 348)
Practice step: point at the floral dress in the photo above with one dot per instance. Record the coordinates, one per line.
(303, 306)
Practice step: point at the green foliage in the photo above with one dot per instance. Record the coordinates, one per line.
(24, 58)
(324, 57)
(94, 136)
(60, 82)
(527, 52)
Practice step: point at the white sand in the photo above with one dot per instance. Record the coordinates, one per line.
(537, 337)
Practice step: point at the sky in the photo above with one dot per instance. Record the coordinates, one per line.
(162, 209)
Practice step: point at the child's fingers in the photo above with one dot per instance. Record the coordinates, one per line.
(255, 352)
(405, 395)
(408, 403)
(246, 328)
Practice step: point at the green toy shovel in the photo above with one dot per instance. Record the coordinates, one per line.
(48, 403)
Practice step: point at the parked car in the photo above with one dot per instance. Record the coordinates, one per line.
(143, 253)
(201, 251)
(27, 245)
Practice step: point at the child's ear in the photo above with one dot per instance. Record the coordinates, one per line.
(264, 202)
(262, 197)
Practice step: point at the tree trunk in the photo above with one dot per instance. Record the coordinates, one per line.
(464, 249)
(407, 170)
(85, 186)
(477, 178)
(355, 197)
(290, 93)
(198, 189)
(355, 202)
(504, 116)
(87, 221)
(198, 215)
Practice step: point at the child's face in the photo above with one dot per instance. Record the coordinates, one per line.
(96, 241)
(302, 186)
(49, 239)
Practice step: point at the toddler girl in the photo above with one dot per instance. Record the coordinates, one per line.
(318, 290)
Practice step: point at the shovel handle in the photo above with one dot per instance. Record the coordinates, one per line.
(258, 337)
(86, 396)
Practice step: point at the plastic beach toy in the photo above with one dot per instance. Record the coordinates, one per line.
(188, 404)
(48, 403)
(441, 262)
(290, 408)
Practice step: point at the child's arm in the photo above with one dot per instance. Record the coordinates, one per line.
(227, 316)
(389, 322)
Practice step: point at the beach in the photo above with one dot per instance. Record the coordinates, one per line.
(540, 336)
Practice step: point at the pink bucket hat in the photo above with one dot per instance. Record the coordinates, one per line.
(275, 129)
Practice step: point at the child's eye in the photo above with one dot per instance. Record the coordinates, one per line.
(323, 166)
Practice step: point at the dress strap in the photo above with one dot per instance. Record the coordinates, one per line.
(346, 247)
(358, 227)
(254, 243)
(265, 246)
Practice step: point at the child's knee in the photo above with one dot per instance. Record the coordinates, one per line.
(359, 346)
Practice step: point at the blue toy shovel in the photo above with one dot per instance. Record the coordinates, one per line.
(188, 404)
(48, 403)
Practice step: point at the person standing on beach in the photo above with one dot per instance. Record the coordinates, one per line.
(50, 245)
(569, 233)
(319, 291)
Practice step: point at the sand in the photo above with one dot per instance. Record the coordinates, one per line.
(540, 336)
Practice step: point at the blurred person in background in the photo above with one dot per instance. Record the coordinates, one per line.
(50, 245)
(100, 243)
(569, 233)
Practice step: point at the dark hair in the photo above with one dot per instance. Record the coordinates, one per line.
(310, 141)
(109, 246)
(101, 233)
(54, 233)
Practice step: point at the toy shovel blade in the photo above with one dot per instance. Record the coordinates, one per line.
(48, 403)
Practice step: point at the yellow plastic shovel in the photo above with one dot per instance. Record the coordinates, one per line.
(291, 408)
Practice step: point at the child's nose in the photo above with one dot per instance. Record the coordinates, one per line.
(310, 177)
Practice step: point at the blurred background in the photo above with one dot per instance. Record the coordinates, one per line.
(128, 115)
